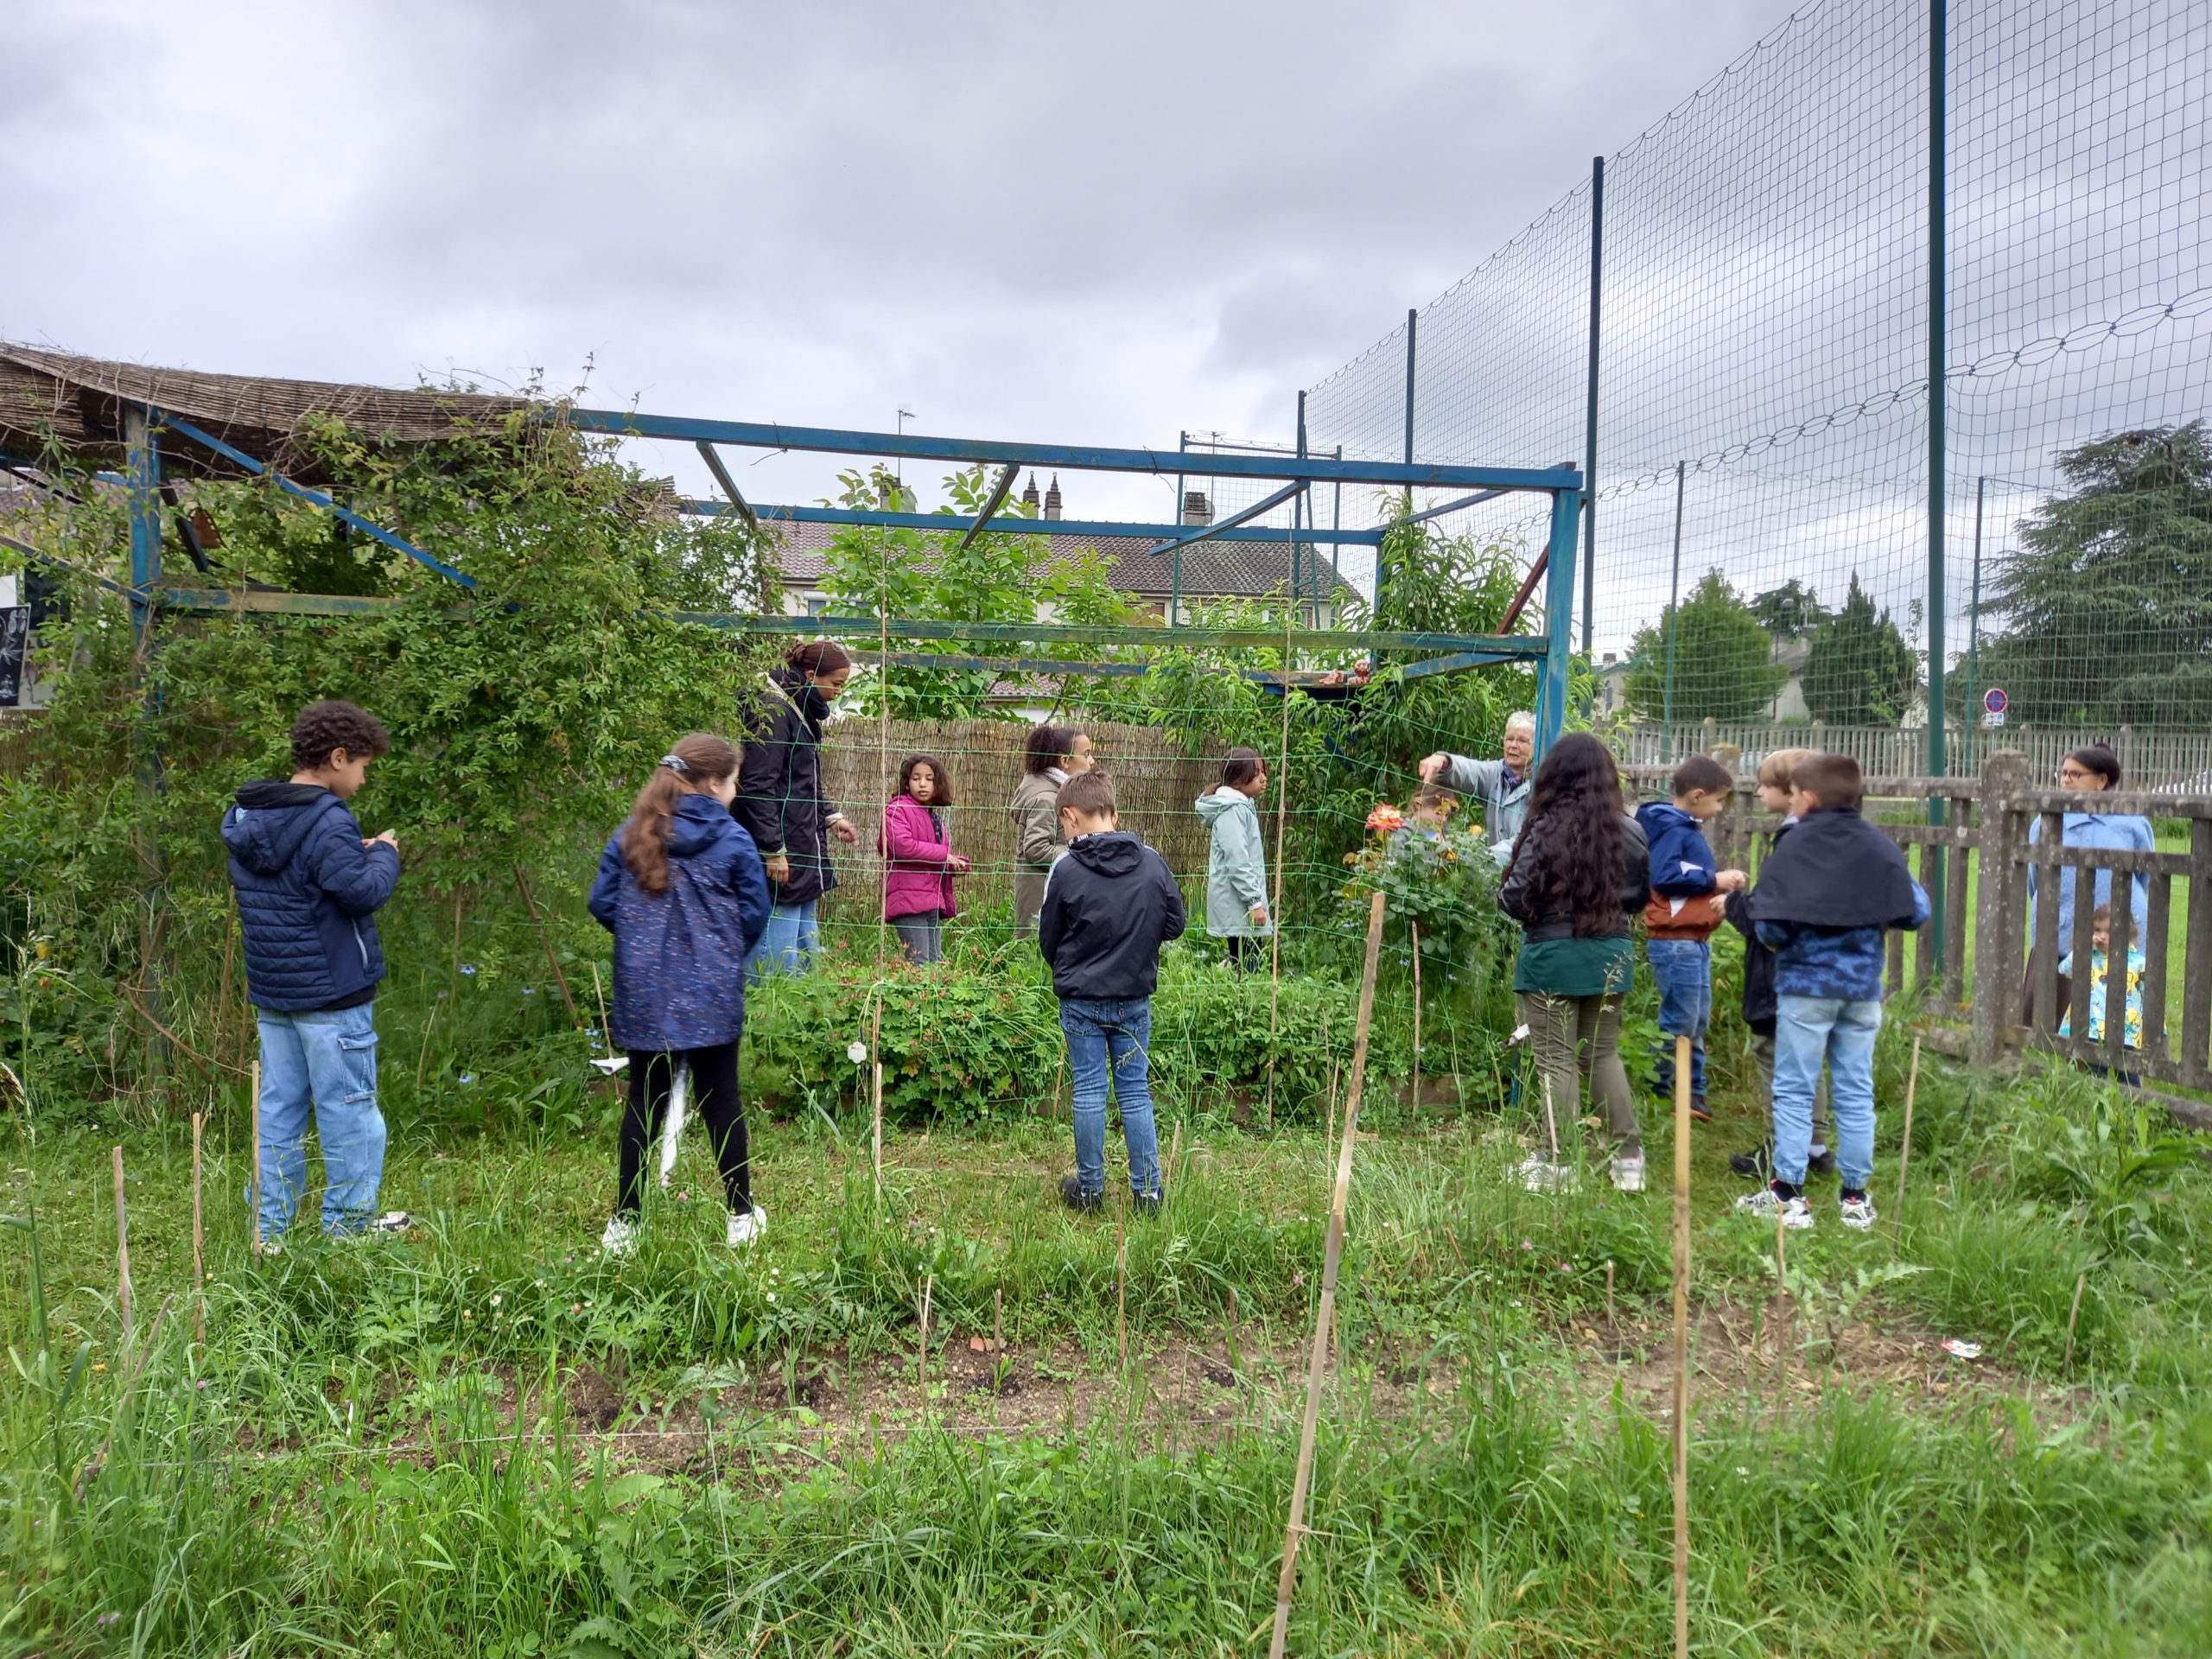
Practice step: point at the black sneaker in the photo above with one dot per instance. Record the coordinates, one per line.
(1073, 1195)
(1700, 1112)
(1820, 1163)
(1147, 1203)
(1753, 1163)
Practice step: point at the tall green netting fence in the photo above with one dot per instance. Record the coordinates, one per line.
(1760, 541)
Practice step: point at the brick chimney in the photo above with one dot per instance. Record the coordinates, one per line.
(1052, 496)
(1196, 509)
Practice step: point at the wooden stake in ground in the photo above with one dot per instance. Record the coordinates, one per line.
(199, 1261)
(876, 1059)
(1415, 927)
(1332, 1259)
(1681, 1347)
(922, 1361)
(123, 1256)
(1904, 1147)
(253, 1220)
(1174, 1171)
(1121, 1283)
(552, 957)
(2073, 1314)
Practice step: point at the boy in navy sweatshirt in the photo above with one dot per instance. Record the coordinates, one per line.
(1685, 910)
(1109, 905)
(1825, 896)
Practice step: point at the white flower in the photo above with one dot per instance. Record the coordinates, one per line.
(496, 1299)
(856, 1052)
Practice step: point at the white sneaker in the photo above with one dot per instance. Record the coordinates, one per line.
(392, 1221)
(1538, 1175)
(1796, 1215)
(1628, 1172)
(1856, 1212)
(620, 1237)
(272, 1246)
(745, 1228)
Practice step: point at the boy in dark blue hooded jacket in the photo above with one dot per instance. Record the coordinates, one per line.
(309, 885)
(1685, 910)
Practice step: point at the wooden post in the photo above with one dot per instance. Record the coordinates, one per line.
(1904, 1147)
(1415, 927)
(545, 938)
(1997, 906)
(2073, 1313)
(254, 1219)
(199, 1259)
(876, 1060)
(1332, 1259)
(1681, 1347)
(922, 1361)
(998, 1320)
(122, 1300)
(1121, 1283)
(1174, 1174)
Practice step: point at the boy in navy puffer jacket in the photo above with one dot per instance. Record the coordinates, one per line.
(1684, 914)
(309, 885)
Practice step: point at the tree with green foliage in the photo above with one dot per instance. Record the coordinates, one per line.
(1724, 659)
(2107, 606)
(1792, 610)
(929, 575)
(1859, 671)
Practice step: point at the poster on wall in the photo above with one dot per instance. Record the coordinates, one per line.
(15, 646)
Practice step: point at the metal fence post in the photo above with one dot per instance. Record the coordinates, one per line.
(1559, 620)
(1673, 607)
(1590, 410)
(1937, 155)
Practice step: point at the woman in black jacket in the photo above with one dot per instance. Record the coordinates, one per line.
(1580, 870)
(781, 803)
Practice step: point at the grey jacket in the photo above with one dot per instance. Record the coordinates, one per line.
(1037, 842)
(1236, 870)
(1504, 804)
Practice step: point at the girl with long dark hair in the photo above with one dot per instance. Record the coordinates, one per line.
(1580, 871)
(1050, 756)
(681, 887)
(780, 799)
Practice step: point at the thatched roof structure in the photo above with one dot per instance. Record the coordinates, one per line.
(80, 401)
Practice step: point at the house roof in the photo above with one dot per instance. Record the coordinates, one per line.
(1211, 569)
(79, 402)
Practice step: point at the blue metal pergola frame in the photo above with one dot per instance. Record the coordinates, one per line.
(1552, 652)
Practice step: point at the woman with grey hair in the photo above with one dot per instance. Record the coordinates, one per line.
(1501, 785)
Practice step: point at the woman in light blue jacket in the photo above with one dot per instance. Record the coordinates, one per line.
(1236, 870)
(2089, 771)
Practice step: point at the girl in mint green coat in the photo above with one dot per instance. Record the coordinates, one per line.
(1236, 871)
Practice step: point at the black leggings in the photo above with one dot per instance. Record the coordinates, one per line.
(1247, 954)
(713, 1097)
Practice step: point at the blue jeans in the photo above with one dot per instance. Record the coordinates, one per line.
(1110, 1037)
(1807, 1029)
(792, 939)
(326, 1060)
(1683, 969)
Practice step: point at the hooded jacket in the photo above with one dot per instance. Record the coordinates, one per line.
(1681, 870)
(1036, 815)
(1503, 792)
(1760, 1006)
(309, 891)
(1109, 905)
(780, 799)
(680, 954)
(1236, 869)
(918, 850)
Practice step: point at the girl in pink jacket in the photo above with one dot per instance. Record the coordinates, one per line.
(918, 860)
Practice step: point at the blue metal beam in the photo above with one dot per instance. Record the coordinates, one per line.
(729, 485)
(143, 476)
(316, 498)
(1014, 524)
(991, 505)
(1559, 620)
(1523, 649)
(1235, 521)
(1427, 513)
(768, 435)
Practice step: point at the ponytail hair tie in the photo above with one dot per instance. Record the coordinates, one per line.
(675, 762)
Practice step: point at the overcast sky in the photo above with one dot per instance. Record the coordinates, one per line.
(1101, 223)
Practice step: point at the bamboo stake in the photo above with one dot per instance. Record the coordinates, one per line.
(2080, 1285)
(199, 1261)
(1681, 1347)
(1282, 812)
(922, 1360)
(545, 938)
(122, 1300)
(1332, 1259)
(1121, 1283)
(875, 1059)
(1174, 1159)
(1415, 926)
(998, 1320)
(1904, 1148)
(1609, 1293)
(254, 1219)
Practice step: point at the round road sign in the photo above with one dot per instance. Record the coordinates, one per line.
(1994, 699)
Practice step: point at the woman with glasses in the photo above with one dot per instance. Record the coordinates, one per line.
(2088, 772)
